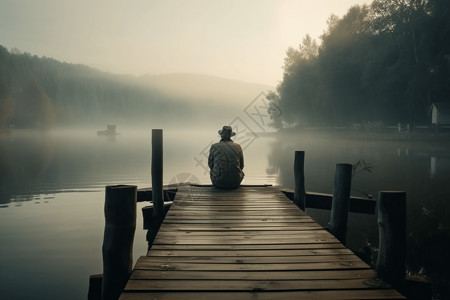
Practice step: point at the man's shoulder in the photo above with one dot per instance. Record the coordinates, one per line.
(215, 145)
(223, 144)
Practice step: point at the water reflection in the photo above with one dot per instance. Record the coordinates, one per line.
(38, 166)
(421, 169)
(65, 233)
(36, 163)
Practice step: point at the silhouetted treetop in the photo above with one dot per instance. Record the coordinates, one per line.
(388, 61)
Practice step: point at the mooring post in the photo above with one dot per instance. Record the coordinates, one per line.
(157, 173)
(299, 178)
(95, 287)
(120, 225)
(341, 201)
(391, 262)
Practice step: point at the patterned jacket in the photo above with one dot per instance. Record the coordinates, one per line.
(226, 162)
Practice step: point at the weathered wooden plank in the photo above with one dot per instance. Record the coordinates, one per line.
(377, 294)
(229, 247)
(253, 285)
(230, 216)
(186, 210)
(236, 199)
(207, 219)
(248, 259)
(252, 253)
(248, 239)
(239, 209)
(262, 199)
(251, 222)
(262, 214)
(255, 228)
(252, 267)
(241, 227)
(307, 237)
(269, 198)
(195, 206)
(357, 204)
(241, 234)
(238, 241)
(246, 275)
(247, 196)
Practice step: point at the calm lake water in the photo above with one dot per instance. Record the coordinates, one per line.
(52, 195)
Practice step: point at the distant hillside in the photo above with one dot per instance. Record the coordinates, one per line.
(43, 92)
(204, 88)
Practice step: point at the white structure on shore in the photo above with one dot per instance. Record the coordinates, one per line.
(440, 113)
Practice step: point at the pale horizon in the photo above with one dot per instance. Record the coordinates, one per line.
(239, 40)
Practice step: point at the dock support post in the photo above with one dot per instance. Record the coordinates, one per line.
(341, 201)
(120, 225)
(95, 287)
(299, 178)
(157, 173)
(391, 262)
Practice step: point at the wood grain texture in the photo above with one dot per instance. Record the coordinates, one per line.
(248, 243)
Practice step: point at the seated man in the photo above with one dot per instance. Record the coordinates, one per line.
(226, 161)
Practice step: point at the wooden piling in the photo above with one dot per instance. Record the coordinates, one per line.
(341, 201)
(95, 287)
(299, 178)
(157, 173)
(391, 262)
(147, 214)
(120, 225)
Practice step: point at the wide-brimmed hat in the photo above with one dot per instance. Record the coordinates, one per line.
(227, 129)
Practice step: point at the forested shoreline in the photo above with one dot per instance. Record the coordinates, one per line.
(41, 92)
(386, 62)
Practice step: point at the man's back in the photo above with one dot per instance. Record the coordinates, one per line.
(226, 162)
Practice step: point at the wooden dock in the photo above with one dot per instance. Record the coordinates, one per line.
(248, 243)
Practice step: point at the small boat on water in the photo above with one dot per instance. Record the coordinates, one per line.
(110, 131)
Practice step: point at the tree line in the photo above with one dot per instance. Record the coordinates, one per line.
(385, 62)
(41, 92)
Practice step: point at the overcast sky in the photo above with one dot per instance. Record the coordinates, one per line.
(238, 39)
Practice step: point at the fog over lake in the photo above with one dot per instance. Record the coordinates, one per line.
(52, 194)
